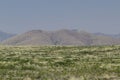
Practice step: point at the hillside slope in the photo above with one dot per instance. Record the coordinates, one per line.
(4, 35)
(60, 37)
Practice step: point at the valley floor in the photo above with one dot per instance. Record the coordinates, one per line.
(60, 63)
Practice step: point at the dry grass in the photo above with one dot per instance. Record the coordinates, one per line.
(59, 63)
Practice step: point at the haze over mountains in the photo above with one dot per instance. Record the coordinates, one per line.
(60, 37)
(4, 36)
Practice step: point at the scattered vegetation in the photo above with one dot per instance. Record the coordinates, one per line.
(60, 63)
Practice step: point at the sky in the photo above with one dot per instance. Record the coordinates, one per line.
(18, 16)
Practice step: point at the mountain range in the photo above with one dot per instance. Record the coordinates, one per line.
(4, 36)
(61, 37)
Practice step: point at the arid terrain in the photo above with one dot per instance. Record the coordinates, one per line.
(59, 63)
(61, 37)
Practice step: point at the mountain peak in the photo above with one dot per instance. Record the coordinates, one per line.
(35, 31)
(61, 37)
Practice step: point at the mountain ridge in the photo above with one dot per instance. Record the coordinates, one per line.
(5, 35)
(61, 37)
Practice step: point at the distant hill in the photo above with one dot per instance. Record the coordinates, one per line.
(111, 35)
(4, 35)
(60, 37)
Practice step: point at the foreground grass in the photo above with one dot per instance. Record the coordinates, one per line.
(60, 63)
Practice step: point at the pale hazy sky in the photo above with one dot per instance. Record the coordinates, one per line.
(17, 16)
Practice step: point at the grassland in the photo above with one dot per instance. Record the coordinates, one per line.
(60, 63)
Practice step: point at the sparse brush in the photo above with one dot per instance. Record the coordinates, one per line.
(60, 63)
